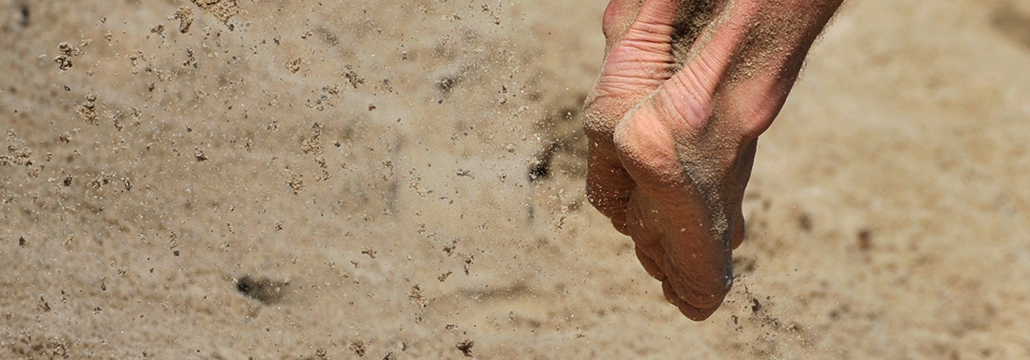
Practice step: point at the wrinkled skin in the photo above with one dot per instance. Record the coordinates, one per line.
(673, 134)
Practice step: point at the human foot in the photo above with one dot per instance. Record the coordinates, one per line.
(673, 121)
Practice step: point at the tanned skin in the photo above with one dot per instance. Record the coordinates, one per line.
(686, 88)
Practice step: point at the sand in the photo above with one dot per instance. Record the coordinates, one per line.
(403, 180)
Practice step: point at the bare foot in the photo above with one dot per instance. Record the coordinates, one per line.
(673, 122)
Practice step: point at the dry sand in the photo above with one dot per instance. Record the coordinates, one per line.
(404, 180)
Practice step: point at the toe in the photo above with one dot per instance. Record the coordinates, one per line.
(691, 312)
(649, 265)
(647, 241)
(608, 187)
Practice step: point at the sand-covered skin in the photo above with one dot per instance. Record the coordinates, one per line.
(352, 179)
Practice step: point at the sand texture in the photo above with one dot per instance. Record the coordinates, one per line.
(234, 179)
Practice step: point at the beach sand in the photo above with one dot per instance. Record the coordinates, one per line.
(238, 179)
